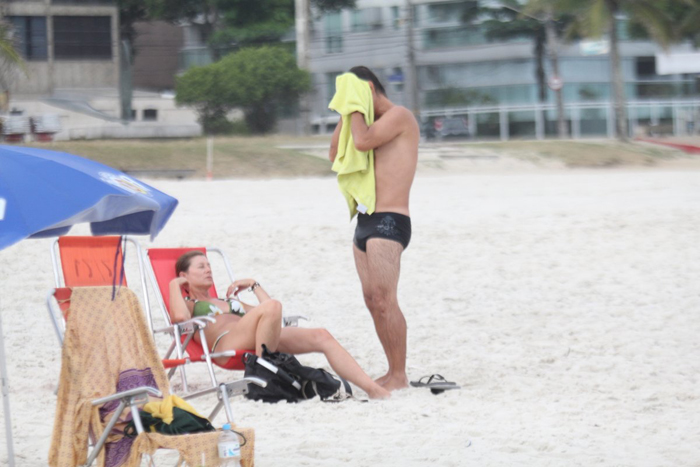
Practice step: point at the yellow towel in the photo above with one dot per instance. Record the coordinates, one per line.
(355, 168)
(164, 409)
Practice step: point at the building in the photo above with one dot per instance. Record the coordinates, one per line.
(72, 55)
(66, 44)
(492, 84)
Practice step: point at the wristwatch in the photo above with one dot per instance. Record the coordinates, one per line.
(254, 286)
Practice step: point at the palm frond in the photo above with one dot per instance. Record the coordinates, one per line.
(652, 18)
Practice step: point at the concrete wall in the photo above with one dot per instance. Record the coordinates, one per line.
(44, 77)
(173, 122)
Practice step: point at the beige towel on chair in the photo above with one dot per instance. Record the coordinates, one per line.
(109, 348)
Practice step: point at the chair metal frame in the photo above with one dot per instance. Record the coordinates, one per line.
(189, 327)
(133, 398)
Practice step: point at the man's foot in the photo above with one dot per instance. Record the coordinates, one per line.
(395, 382)
(380, 381)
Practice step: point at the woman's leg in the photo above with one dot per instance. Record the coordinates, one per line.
(304, 340)
(261, 325)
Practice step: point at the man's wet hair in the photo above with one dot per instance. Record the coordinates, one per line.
(366, 74)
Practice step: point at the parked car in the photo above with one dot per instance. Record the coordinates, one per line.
(453, 127)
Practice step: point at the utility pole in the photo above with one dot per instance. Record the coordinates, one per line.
(412, 72)
(555, 82)
(125, 81)
(302, 26)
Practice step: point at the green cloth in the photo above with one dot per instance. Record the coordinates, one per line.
(204, 308)
(171, 416)
(355, 168)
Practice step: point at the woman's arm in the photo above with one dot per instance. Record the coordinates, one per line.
(243, 284)
(178, 306)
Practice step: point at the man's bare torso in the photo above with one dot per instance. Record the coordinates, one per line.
(395, 166)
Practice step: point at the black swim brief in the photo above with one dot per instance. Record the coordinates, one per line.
(387, 225)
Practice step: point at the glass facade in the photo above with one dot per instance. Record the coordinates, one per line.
(585, 80)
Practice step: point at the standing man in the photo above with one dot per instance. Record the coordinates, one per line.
(382, 236)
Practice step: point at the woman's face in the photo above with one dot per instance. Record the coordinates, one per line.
(199, 272)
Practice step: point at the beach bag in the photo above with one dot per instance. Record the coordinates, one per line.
(171, 416)
(288, 380)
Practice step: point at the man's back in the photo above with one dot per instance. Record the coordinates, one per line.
(395, 164)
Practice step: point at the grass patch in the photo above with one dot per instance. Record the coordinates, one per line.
(584, 153)
(249, 157)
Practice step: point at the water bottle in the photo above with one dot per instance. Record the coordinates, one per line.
(229, 448)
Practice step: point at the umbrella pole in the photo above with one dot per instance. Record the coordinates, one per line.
(6, 400)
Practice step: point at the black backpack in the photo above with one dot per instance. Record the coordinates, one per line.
(288, 380)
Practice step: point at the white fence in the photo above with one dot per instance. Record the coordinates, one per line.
(584, 119)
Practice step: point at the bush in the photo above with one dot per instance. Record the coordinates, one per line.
(259, 80)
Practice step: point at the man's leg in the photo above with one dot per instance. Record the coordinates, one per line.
(365, 280)
(383, 261)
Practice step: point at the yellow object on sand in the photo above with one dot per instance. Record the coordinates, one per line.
(355, 168)
(164, 409)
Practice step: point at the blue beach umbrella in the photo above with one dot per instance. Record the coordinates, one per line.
(44, 193)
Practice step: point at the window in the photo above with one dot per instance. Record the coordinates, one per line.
(334, 33)
(395, 17)
(82, 37)
(366, 19)
(646, 66)
(29, 34)
(150, 115)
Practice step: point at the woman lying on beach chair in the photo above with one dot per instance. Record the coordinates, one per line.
(261, 324)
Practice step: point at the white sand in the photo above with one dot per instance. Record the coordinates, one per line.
(564, 302)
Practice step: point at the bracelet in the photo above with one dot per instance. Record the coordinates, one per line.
(253, 287)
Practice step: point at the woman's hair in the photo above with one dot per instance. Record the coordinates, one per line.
(183, 262)
(366, 74)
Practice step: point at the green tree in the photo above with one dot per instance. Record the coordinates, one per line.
(10, 60)
(504, 22)
(684, 15)
(200, 87)
(507, 20)
(258, 80)
(594, 18)
(252, 22)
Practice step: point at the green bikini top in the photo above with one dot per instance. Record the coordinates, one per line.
(205, 308)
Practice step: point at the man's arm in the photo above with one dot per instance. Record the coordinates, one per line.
(382, 131)
(334, 140)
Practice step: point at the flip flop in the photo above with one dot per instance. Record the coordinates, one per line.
(437, 384)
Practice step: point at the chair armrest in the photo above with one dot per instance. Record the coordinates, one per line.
(231, 389)
(292, 321)
(225, 353)
(140, 391)
(191, 325)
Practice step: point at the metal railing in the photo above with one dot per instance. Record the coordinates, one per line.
(670, 117)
